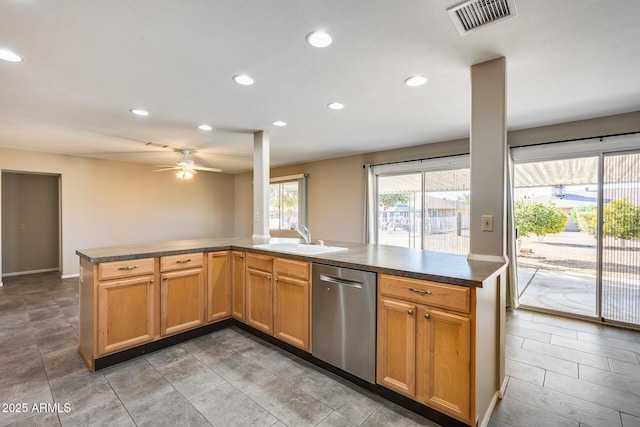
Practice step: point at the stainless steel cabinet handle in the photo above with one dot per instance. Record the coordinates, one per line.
(269, 278)
(420, 291)
(165, 278)
(130, 267)
(242, 256)
(183, 261)
(410, 312)
(151, 281)
(427, 316)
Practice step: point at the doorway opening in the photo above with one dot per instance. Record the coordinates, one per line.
(30, 223)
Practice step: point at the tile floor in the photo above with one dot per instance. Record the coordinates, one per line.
(561, 372)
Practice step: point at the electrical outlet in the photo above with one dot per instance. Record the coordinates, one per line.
(256, 216)
(487, 222)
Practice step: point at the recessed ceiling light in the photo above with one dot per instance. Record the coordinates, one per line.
(205, 127)
(279, 123)
(139, 112)
(319, 39)
(10, 56)
(336, 106)
(243, 79)
(414, 81)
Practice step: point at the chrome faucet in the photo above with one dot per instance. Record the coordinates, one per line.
(304, 232)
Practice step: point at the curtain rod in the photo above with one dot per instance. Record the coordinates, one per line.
(586, 138)
(424, 159)
(600, 137)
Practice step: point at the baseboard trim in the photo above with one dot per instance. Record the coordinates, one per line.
(484, 422)
(70, 276)
(503, 387)
(24, 273)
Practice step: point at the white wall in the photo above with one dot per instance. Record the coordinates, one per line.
(107, 203)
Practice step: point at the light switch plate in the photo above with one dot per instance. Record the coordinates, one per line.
(487, 222)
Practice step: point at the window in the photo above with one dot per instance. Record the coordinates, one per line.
(287, 202)
(422, 204)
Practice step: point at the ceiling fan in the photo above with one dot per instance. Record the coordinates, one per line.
(186, 167)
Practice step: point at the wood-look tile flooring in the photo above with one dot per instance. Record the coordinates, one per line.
(565, 372)
(561, 372)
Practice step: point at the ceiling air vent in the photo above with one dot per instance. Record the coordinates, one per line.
(474, 14)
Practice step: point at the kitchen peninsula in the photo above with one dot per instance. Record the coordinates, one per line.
(439, 321)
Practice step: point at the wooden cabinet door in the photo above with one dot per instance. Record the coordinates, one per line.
(125, 313)
(259, 300)
(182, 297)
(291, 321)
(443, 360)
(396, 355)
(292, 302)
(238, 265)
(218, 286)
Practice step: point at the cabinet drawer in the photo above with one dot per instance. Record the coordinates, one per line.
(125, 268)
(426, 292)
(260, 263)
(180, 262)
(293, 269)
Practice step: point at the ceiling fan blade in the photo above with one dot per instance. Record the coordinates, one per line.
(167, 169)
(201, 168)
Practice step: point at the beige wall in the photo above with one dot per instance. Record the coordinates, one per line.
(488, 147)
(108, 203)
(336, 186)
(30, 225)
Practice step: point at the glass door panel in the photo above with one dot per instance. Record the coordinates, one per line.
(400, 210)
(446, 211)
(621, 238)
(555, 214)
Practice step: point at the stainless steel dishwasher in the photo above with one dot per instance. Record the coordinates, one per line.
(344, 319)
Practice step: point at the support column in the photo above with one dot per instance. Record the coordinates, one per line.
(488, 160)
(260, 184)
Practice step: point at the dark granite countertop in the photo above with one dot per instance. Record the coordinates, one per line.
(435, 266)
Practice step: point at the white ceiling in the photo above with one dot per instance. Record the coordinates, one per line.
(88, 62)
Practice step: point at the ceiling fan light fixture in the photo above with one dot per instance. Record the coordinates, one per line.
(10, 56)
(184, 174)
(243, 80)
(319, 39)
(139, 112)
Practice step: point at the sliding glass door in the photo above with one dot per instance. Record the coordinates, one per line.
(577, 216)
(424, 204)
(555, 207)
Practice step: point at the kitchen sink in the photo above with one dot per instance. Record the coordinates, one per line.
(300, 248)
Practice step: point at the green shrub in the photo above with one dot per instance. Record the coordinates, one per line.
(538, 218)
(585, 218)
(621, 219)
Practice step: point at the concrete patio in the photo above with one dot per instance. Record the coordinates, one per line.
(575, 293)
